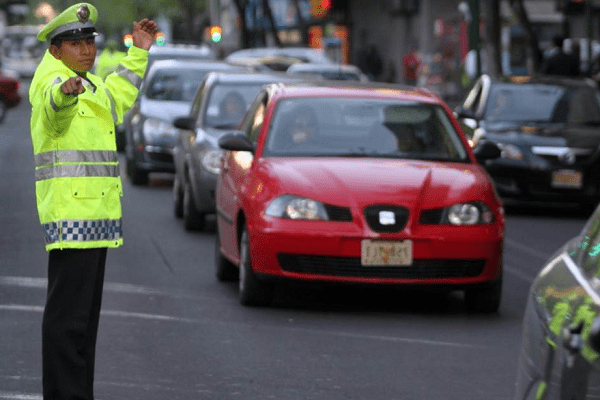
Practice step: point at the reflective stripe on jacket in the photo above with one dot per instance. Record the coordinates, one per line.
(77, 180)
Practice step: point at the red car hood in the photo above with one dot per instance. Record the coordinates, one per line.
(359, 182)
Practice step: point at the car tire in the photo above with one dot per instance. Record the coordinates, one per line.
(177, 197)
(192, 219)
(225, 270)
(484, 299)
(253, 292)
(136, 175)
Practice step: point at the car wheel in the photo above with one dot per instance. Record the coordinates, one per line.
(192, 219)
(177, 197)
(253, 292)
(137, 176)
(484, 299)
(225, 270)
(3, 109)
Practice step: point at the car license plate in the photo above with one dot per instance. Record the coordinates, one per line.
(567, 178)
(386, 253)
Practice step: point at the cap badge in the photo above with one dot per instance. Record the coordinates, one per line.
(83, 13)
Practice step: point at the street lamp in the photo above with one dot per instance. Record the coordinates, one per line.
(470, 13)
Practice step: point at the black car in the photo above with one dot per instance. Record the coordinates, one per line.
(218, 107)
(548, 129)
(166, 93)
(559, 354)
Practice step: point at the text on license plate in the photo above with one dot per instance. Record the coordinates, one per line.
(566, 178)
(381, 252)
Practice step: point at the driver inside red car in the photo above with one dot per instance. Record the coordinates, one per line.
(300, 126)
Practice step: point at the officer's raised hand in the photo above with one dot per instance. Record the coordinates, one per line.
(143, 33)
(72, 86)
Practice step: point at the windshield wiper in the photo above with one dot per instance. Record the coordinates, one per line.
(359, 152)
(224, 126)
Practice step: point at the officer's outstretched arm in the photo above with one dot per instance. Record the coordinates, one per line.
(72, 86)
(59, 100)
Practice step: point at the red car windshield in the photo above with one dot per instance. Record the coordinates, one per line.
(355, 127)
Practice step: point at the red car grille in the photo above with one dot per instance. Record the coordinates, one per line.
(350, 267)
(373, 217)
(340, 214)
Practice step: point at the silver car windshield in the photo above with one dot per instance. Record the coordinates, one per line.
(227, 104)
(174, 84)
(355, 127)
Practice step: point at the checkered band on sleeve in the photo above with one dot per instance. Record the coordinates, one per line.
(82, 231)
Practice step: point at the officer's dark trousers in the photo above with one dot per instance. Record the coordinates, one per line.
(70, 323)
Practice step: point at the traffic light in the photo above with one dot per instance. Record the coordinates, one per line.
(128, 40)
(215, 33)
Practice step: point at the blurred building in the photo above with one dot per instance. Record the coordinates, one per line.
(438, 29)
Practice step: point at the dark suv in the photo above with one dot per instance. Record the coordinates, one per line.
(166, 93)
(548, 129)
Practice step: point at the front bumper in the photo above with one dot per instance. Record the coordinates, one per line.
(155, 158)
(522, 183)
(331, 251)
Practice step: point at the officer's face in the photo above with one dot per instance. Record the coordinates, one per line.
(78, 54)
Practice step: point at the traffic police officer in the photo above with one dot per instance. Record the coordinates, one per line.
(109, 59)
(78, 186)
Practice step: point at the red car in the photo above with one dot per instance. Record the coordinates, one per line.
(357, 184)
(10, 95)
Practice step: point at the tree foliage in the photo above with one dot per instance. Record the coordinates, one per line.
(116, 17)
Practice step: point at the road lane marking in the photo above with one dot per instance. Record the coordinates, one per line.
(124, 314)
(19, 396)
(518, 273)
(526, 249)
(42, 283)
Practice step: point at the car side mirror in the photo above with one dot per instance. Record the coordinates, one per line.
(487, 150)
(186, 123)
(464, 113)
(237, 141)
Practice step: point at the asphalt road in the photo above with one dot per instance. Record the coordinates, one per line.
(169, 330)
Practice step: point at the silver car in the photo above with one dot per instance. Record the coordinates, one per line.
(218, 107)
(166, 93)
(336, 72)
(559, 356)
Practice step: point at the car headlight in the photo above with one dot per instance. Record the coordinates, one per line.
(475, 213)
(157, 130)
(211, 161)
(510, 152)
(299, 208)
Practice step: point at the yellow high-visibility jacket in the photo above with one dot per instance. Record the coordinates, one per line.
(107, 62)
(77, 181)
